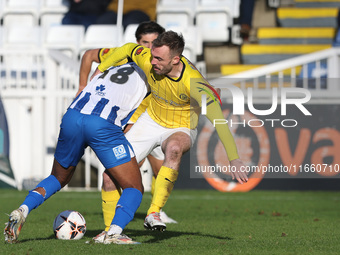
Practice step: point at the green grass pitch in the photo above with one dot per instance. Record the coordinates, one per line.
(210, 222)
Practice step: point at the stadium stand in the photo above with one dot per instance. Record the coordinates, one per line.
(22, 10)
(52, 12)
(129, 33)
(293, 35)
(50, 19)
(317, 3)
(53, 6)
(25, 19)
(67, 38)
(176, 12)
(2, 5)
(273, 3)
(233, 6)
(266, 54)
(308, 26)
(234, 69)
(22, 69)
(100, 36)
(22, 36)
(215, 19)
(193, 40)
(307, 17)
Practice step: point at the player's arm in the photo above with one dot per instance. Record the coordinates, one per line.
(88, 58)
(115, 57)
(214, 112)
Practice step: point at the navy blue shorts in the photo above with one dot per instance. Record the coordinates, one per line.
(77, 131)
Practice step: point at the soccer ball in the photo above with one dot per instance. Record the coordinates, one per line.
(69, 225)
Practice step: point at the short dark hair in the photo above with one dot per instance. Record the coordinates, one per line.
(148, 27)
(174, 41)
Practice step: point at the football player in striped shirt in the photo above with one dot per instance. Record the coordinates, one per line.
(95, 119)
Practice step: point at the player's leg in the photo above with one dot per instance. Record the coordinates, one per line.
(129, 178)
(109, 193)
(155, 163)
(115, 153)
(146, 172)
(59, 177)
(174, 147)
(156, 159)
(70, 148)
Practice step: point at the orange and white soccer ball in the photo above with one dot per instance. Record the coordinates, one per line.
(69, 225)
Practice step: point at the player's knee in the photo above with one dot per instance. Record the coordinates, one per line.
(138, 186)
(108, 184)
(135, 185)
(173, 150)
(141, 188)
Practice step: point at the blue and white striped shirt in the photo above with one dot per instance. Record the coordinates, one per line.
(113, 95)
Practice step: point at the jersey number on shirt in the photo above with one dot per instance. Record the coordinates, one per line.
(120, 77)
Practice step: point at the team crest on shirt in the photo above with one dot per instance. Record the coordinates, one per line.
(120, 152)
(105, 51)
(139, 51)
(184, 97)
(100, 89)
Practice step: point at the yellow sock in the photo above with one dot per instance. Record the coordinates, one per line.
(163, 186)
(109, 203)
(153, 186)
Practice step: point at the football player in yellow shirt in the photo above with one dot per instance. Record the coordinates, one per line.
(170, 120)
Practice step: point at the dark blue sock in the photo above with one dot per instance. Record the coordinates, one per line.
(127, 206)
(34, 199)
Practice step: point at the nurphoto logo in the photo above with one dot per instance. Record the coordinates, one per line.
(284, 96)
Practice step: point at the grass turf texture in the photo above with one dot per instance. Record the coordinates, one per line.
(210, 222)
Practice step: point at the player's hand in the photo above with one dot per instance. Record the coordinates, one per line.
(95, 73)
(238, 171)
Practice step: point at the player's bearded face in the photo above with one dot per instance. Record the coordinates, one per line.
(162, 61)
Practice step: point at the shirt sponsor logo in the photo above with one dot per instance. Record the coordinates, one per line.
(171, 102)
(184, 97)
(100, 89)
(120, 152)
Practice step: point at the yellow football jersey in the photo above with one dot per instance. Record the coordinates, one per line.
(105, 52)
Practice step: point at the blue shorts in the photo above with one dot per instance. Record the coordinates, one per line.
(77, 131)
